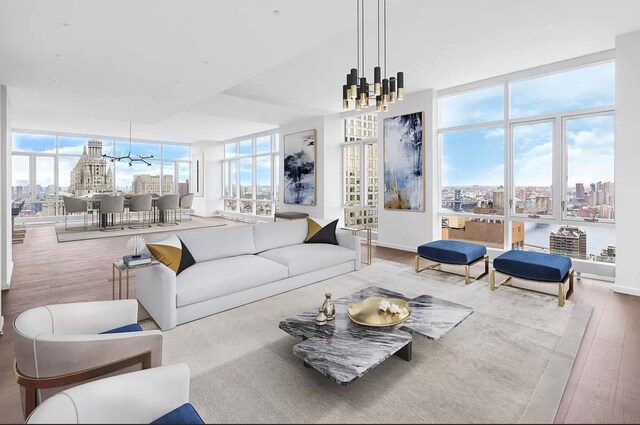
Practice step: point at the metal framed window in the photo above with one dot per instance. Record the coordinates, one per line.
(562, 202)
(250, 180)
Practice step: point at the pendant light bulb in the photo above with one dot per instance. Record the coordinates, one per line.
(379, 103)
(354, 83)
(392, 90)
(400, 85)
(377, 86)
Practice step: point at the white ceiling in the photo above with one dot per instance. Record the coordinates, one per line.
(84, 65)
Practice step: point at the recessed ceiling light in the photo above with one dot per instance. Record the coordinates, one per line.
(135, 110)
(155, 98)
(53, 80)
(205, 62)
(178, 82)
(58, 55)
(48, 98)
(66, 25)
(276, 12)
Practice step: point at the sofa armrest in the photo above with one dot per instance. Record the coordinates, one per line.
(138, 397)
(347, 240)
(156, 291)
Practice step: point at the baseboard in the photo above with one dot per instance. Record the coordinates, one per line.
(395, 246)
(7, 284)
(626, 290)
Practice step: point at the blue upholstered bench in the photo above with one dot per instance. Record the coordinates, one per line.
(453, 252)
(538, 267)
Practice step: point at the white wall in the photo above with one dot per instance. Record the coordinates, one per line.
(627, 157)
(408, 229)
(207, 205)
(6, 262)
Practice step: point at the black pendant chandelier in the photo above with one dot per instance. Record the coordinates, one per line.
(385, 90)
(132, 159)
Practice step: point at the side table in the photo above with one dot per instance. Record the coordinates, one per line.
(354, 231)
(120, 267)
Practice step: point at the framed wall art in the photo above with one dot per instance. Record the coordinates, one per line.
(299, 152)
(403, 157)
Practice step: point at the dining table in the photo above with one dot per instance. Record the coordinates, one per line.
(94, 205)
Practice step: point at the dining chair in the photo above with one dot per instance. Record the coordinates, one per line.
(141, 204)
(168, 207)
(186, 203)
(74, 206)
(110, 206)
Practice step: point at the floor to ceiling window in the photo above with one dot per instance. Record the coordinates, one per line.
(360, 170)
(250, 174)
(47, 167)
(528, 163)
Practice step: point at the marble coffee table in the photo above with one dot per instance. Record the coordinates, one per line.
(344, 351)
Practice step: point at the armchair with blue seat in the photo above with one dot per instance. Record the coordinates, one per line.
(62, 345)
(155, 396)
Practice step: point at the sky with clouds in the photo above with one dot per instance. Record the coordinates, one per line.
(476, 156)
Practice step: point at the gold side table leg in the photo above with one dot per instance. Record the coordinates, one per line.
(369, 246)
(127, 283)
(120, 284)
(113, 281)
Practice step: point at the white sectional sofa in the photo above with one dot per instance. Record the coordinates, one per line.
(238, 265)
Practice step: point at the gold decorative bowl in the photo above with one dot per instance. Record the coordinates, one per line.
(367, 313)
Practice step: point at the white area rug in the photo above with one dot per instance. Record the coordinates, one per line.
(77, 233)
(508, 362)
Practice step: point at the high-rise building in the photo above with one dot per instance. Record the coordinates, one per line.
(147, 183)
(543, 205)
(580, 194)
(569, 241)
(498, 197)
(183, 188)
(91, 173)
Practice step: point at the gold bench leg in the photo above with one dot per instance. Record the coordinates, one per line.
(493, 280)
(467, 273)
(561, 294)
(417, 264)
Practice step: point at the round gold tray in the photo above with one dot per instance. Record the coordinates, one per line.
(366, 312)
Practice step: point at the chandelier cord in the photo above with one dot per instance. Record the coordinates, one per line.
(363, 49)
(385, 38)
(378, 33)
(358, 36)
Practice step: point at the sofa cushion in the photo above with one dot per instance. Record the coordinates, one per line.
(219, 242)
(321, 231)
(533, 265)
(215, 278)
(173, 253)
(304, 258)
(452, 252)
(134, 327)
(276, 235)
(185, 414)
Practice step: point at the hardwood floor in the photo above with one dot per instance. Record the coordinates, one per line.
(604, 386)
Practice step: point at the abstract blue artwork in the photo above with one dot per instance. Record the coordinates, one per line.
(300, 168)
(404, 163)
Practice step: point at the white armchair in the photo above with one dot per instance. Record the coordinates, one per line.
(58, 346)
(134, 398)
